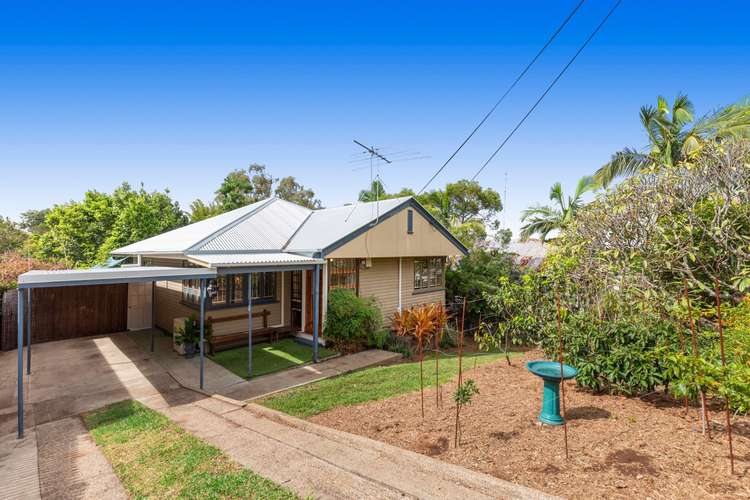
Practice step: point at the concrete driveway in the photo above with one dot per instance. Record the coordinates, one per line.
(73, 376)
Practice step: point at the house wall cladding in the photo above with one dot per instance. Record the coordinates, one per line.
(380, 281)
(67, 312)
(169, 306)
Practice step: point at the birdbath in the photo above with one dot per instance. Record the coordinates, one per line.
(549, 371)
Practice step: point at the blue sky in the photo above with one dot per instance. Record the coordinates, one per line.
(176, 94)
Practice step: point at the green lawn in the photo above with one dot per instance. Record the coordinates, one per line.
(268, 358)
(368, 385)
(155, 458)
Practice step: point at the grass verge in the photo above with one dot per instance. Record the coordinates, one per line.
(370, 384)
(153, 457)
(268, 358)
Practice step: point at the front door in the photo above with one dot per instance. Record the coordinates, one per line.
(296, 300)
(309, 303)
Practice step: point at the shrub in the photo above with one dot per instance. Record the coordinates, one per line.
(352, 322)
(624, 356)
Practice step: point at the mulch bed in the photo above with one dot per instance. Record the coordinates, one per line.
(619, 447)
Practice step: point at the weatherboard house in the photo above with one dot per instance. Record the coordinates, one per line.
(278, 261)
(255, 273)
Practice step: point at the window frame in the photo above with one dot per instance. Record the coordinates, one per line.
(428, 274)
(346, 268)
(234, 290)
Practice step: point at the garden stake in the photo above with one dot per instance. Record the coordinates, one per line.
(421, 374)
(704, 408)
(438, 390)
(723, 365)
(562, 379)
(682, 343)
(460, 373)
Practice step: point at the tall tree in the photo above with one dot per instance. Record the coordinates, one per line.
(674, 136)
(290, 190)
(83, 233)
(11, 236)
(543, 220)
(377, 192)
(200, 210)
(261, 181)
(236, 191)
(32, 221)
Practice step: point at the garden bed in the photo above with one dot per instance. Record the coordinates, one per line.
(619, 447)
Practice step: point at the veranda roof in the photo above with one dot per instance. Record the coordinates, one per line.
(105, 276)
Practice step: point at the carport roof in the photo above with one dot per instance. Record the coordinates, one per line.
(106, 276)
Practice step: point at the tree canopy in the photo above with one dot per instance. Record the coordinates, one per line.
(675, 136)
(11, 236)
(85, 232)
(543, 220)
(243, 187)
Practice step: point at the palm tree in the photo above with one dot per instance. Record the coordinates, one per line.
(542, 220)
(674, 136)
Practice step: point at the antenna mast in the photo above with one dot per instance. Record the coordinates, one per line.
(374, 153)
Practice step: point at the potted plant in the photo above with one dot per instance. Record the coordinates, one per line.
(188, 335)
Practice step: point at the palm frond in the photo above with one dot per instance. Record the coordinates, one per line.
(625, 162)
(682, 111)
(729, 121)
(556, 195)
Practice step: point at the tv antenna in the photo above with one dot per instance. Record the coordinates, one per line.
(373, 153)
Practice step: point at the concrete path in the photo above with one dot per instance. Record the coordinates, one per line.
(219, 380)
(19, 473)
(325, 463)
(71, 465)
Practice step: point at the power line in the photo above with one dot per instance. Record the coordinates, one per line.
(502, 98)
(544, 94)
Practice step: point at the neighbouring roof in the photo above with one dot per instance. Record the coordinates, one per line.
(528, 253)
(271, 231)
(111, 275)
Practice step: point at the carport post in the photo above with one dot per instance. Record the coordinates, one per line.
(249, 325)
(203, 309)
(153, 313)
(316, 307)
(20, 362)
(28, 333)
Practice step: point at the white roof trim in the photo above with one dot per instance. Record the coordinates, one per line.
(105, 276)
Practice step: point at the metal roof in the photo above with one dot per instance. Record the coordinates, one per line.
(181, 239)
(105, 276)
(269, 229)
(253, 259)
(327, 226)
(274, 228)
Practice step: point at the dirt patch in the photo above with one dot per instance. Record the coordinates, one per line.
(619, 447)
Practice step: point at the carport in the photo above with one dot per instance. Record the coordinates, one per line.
(105, 276)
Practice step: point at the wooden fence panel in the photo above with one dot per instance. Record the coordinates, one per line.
(67, 312)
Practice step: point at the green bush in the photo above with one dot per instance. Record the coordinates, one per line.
(625, 356)
(352, 322)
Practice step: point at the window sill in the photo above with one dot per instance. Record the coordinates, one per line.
(423, 291)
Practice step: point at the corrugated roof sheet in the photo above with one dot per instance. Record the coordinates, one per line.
(327, 226)
(269, 229)
(180, 239)
(253, 259)
(65, 277)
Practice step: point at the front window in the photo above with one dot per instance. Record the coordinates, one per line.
(264, 286)
(428, 273)
(342, 273)
(230, 289)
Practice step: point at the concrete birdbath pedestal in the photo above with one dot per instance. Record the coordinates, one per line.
(549, 371)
